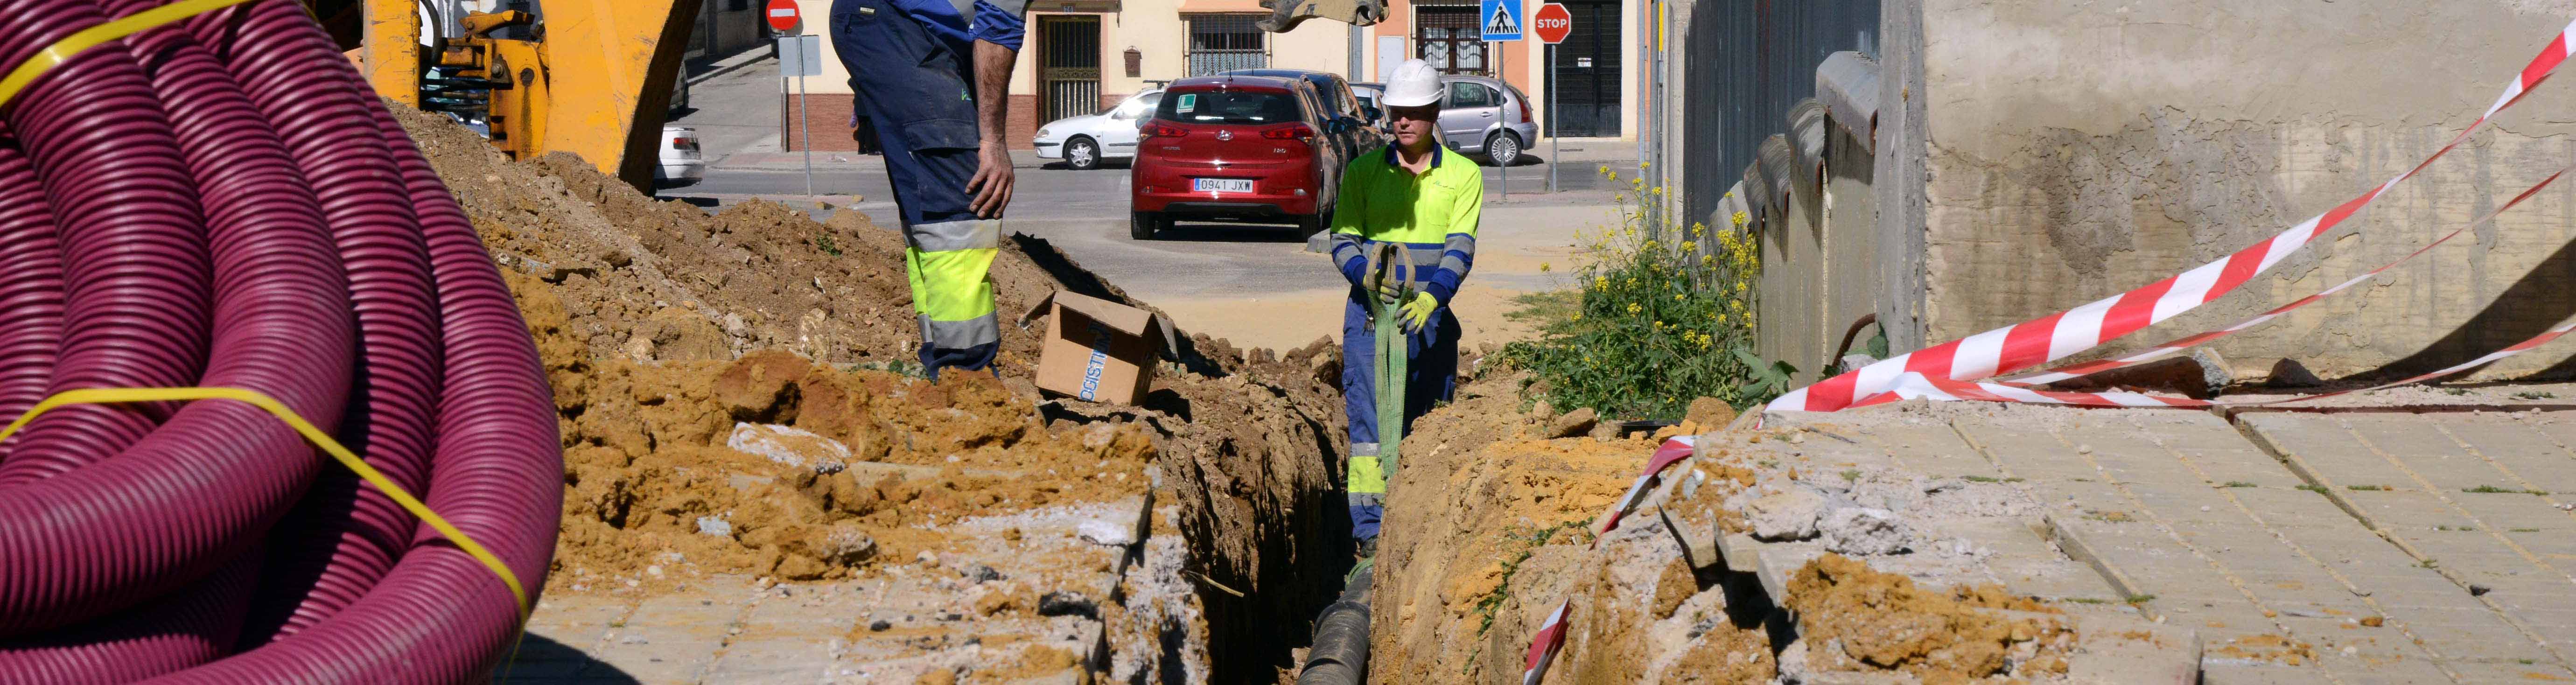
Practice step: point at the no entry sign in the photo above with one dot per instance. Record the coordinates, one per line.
(1552, 23)
(782, 15)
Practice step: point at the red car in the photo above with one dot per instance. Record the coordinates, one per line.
(1237, 148)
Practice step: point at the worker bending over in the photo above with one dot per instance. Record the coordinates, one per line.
(1428, 199)
(931, 76)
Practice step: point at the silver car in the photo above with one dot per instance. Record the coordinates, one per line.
(1486, 117)
(1368, 95)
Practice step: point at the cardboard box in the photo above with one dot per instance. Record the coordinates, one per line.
(1099, 350)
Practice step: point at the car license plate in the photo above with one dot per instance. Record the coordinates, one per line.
(1226, 185)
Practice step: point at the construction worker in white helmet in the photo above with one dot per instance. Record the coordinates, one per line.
(1429, 199)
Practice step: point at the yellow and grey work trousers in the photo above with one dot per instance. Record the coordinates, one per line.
(913, 87)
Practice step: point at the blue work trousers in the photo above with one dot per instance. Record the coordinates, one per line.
(1431, 377)
(916, 91)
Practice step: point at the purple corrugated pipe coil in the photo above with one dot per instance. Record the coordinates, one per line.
(222, 201)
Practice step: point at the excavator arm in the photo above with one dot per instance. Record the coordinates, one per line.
(1287, 14)
(594, 79)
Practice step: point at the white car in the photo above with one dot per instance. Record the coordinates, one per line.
(1083, 142)
(681, 163)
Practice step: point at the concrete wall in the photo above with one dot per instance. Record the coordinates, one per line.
(2066, 151)
(1898, 177)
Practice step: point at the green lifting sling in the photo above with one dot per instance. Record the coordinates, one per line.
(1385, 318)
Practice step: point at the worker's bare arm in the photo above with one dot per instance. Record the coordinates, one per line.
(992, 183)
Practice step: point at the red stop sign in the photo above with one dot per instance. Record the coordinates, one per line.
(1552, 23)
(782, 15)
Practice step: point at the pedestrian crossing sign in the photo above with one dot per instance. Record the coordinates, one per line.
(1502, 19)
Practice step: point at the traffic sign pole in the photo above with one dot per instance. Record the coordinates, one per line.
(798, 62)
(805, 124)
(1552, 23)
(1502, 22)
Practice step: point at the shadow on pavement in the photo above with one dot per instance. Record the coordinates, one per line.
(542, 660)
(1105, 165)
(1231, 233)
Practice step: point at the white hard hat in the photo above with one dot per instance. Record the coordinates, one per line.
(1414, 84)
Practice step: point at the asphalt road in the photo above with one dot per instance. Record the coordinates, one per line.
(1254, 284)
(1088, 210)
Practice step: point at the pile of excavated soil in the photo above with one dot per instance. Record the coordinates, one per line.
(1488, 528)
(668, 332)
(1854, 618)
(653, 475)
(654, 280)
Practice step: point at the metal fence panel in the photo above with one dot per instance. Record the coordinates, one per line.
(1747, 63)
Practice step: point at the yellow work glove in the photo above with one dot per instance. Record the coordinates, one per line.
(1418, 312)
(1393, 292)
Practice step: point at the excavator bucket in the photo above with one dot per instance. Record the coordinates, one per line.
(610, 69)
(1287, 14)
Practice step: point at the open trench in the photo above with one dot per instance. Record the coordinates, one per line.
(673, 335)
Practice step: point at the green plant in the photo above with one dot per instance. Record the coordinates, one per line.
(2535, 395)
(1981, 479)
(824, 242)
(2456, 391)
(2319, 489)
(2239, 484)
(2141, 599)
(1851, 475)
(2367, 488)
(2490, 489)
(2526, 530)
(2086, 600)
(1662, 316)
(2428, 563)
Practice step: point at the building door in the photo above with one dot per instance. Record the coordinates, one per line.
(1451, 38)
(1587, 73)
(1068, 66)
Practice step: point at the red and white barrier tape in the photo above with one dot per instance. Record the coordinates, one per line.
(2176, 346)
(1913, 385)
(2049, 338)
(1551, 632)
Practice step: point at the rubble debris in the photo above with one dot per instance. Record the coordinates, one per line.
(1865, 531)
(1854, 618)
(1787, 514)
(1573, 423)
(1710, 412)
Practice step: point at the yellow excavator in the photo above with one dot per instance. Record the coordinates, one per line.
(589, 77)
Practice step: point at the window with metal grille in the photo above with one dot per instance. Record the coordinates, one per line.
(1449, 37)
(1224, 42)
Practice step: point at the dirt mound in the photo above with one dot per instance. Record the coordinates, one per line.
(1854, 618)
(732, 397)
(774, 465)
(650, 280)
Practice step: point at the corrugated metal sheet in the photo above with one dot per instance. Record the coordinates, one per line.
(1778, 167)
(1807, 145)
(1747, 63)
(1848, 85)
